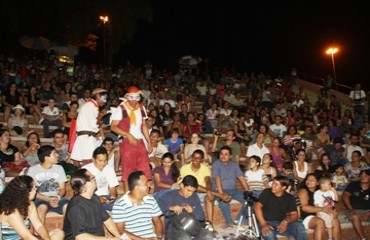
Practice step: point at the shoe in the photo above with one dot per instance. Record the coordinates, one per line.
(41, 120)
(210, 228)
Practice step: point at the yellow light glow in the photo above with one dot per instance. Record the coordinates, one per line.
(104, 19)
(331, 50)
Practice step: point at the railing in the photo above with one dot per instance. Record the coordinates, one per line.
(321, 81)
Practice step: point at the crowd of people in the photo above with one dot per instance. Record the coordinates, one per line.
(177, 141)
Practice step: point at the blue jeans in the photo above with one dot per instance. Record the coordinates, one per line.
(294, 229)
(236, 194)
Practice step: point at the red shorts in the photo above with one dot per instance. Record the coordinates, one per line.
(134, 158)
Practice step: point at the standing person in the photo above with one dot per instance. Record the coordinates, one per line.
(87, 127)
(18, 212)
(224, 175)
(183, 200)
(86, 217)
(128, 121)
(356, 200)
(357, 97)
(50, 180)
(136, 213)
(276, 211)
(105, 177)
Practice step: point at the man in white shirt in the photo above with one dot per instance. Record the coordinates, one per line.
(158, 147)
(51, 117)
(358, 97)
(278, 128)
(106, 180)
(259, 148)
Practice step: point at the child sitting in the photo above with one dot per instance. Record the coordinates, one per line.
(340, 180)
(175, 146)
(326, 197)
(256, 177)
(288, 172)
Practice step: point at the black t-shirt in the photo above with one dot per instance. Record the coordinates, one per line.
(84, 216)
(8, 154)
(276, 208)
(359, 198)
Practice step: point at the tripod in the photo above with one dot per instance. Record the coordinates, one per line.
(252, 231)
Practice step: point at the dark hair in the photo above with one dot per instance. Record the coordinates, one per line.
(57, 131)
(288, 165)
(226, 148)
(73, 103)
(37, 136)
(16, 196)
(155, 131)
(190, 181)
(108, 139)
(78, 180)
(98, 151)
(303, 184)
(198, 151)
(3, 130)
(175, 171)
(284, 181)
(44, 151)
(257, 158)
(133, 179)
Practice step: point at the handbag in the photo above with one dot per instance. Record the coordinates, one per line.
(187, 222)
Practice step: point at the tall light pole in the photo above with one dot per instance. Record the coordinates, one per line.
(104, 20)
(332, 51)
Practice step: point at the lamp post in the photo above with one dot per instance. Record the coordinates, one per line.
(104, 20)
(332, 51)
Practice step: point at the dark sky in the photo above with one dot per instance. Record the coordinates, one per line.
(259, 36)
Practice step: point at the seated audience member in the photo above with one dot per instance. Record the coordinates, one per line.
(191, 126)
(158, 148)
(225, 172)
(301, 167)
(340, 180)
(352, 146)
(255, 177)
(51, 117)
(29, 152)
(309, 210)
(183, 200)
(258, 148)
(203, 175)
(356, 199)
(61, 147)
(175, 145)
(193, 145)
(354, 167)
(326, 196)
(10, 155)
(229, 141)
(86, 217)
(18, 212)
(268, 167)
(114, 155)
(18, 124)
(324, 169)
(50, 180)
(277, 213)
(278, 153)
(165, 176)
(136, 213)
(288, 172)
(105, 177)
(278, 128)
(336, 152)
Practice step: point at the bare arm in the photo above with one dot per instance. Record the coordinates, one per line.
(158, 226)
(244, 183)
(112, 228)
(346, 200)
(15, 220)
(36, 222)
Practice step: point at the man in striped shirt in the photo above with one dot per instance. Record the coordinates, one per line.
(136, 213)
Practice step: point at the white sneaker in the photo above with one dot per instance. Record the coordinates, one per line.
(41, 120)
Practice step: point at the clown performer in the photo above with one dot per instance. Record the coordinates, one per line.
(88, 129)
(128, 121)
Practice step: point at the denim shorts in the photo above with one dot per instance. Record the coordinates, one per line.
(59, 209)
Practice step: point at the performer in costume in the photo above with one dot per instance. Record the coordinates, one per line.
(87, 127)
(128, 121)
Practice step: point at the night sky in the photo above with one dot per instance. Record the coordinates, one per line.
(258, 36)
(254, 36)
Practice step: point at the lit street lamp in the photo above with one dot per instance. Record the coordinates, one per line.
(332, 51)
(105, 21)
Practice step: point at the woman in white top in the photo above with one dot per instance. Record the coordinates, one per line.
(301, 167)
(19, 121)
(192, 146)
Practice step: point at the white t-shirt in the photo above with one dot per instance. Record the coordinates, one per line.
(52, 113)
(104, 179)
(278, 130)
(351, 149)
(47, 180)
(158, 151)
(255, 150)
(357, 95)
(323, 199)
(255, 179)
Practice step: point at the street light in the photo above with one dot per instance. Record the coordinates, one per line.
(105, 21)
(332, 51)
